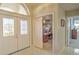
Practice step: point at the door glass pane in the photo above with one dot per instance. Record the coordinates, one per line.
(8, 27)
(73, 32)
(23, 28)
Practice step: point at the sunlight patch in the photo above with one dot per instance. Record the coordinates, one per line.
(76, 50)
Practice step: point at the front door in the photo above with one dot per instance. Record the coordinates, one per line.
(8, 34)
(23, 33)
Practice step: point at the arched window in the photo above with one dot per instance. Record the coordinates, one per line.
(8, 23)
(14, 7)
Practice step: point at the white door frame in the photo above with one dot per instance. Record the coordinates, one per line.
(53, 29)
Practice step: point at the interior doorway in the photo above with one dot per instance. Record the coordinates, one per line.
(44, 32)
(73, 32)
(47, 32)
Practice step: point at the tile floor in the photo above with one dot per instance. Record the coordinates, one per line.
(37, 51)
(69, 51)
(33, 51)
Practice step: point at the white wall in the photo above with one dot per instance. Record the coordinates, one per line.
(59, 32)
(60, 37)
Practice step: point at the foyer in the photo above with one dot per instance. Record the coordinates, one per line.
(39, 28)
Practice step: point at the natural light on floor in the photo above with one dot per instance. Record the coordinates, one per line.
(76, 50)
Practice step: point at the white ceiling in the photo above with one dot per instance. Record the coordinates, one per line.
(70, 6)
(65, 6)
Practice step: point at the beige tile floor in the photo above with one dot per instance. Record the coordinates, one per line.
(48, 45)
(36, 51)
(46, 51)
(68, 51)
(33, 51)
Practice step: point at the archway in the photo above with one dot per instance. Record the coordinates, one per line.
(15, 7)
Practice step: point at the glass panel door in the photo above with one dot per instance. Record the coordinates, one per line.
(73, 31)
(23, 34)
(9, 41)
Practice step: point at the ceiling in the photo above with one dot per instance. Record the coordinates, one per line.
(33, 5)
(65, 6)
(70, 6)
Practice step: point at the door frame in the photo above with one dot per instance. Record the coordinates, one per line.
(66, 31)
(53, 29)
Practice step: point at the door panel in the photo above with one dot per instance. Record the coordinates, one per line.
(38, 33)
(9, 41)
(23, 34)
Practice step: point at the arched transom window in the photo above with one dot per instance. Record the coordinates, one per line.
(14, 7)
